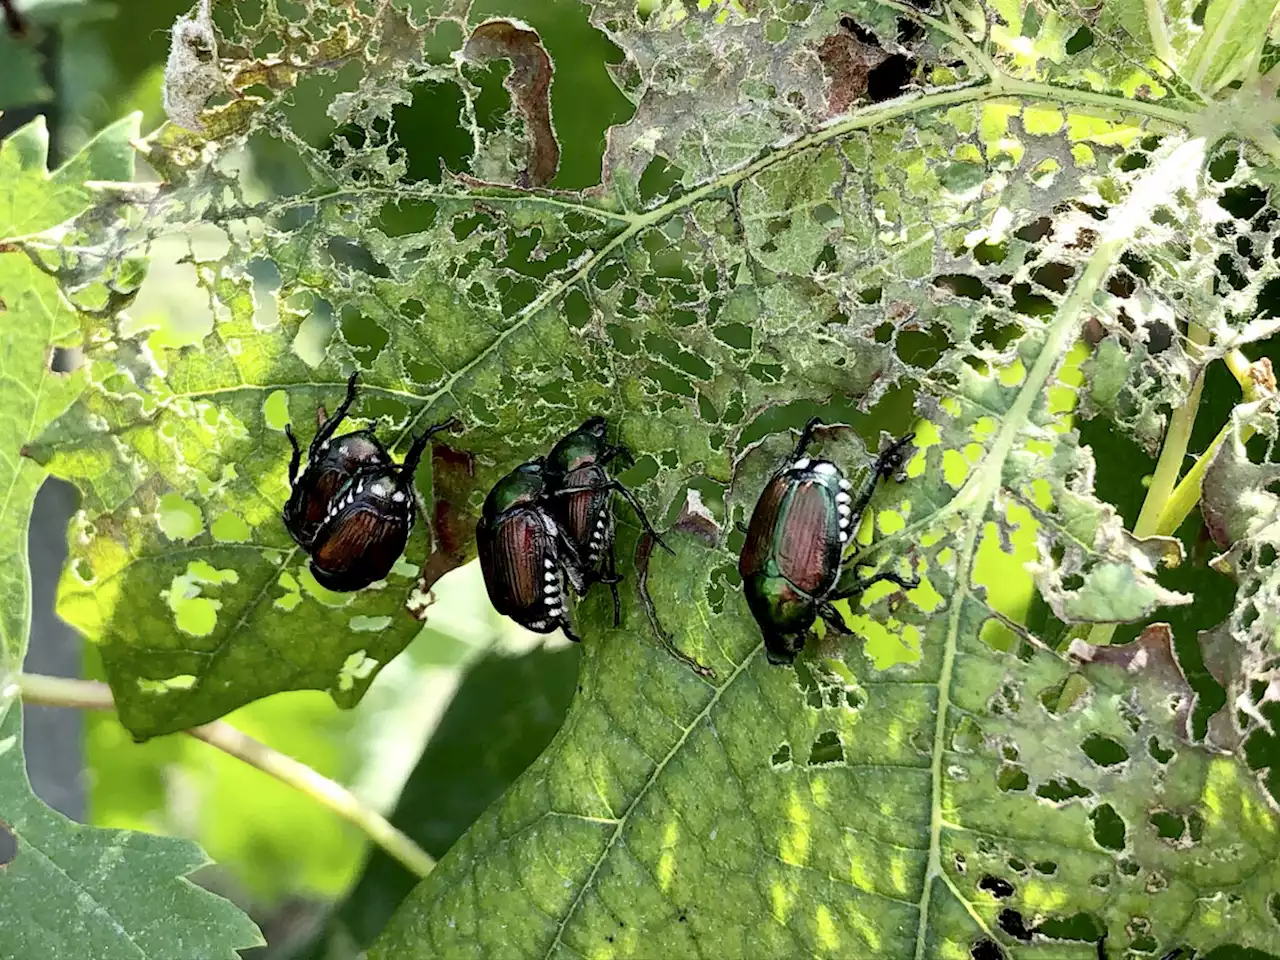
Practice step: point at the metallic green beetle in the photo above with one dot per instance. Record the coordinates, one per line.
(790, 563)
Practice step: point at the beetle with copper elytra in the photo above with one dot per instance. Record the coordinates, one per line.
(581, 502)
(795, 543)
(525, 557)
(352, 508)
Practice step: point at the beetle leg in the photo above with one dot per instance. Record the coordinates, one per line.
(627, 495)
(330, 425)
(570, 562)
(806, 437)
(410, 465)
(888, 463)
(610, 576)
(885, 466)
(617, 453)
(831, 616)
(295, 461)
(860, 586)
(568, 631)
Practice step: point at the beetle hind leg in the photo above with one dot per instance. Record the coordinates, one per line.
(609, 575)
(568, 630)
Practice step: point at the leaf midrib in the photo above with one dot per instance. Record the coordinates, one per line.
(622, 821)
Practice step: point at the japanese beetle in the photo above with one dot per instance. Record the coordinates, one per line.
(524, 555)
(367, 523)
(790, 563)
(581, 502)
(330, 464)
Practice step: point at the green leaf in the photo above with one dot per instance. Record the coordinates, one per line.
(944, 784)
(69, 890)
(75, 891)
(1235, 32)
(504, 714)
(35, 199)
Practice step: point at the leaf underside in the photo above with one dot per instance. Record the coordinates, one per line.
(766, 244)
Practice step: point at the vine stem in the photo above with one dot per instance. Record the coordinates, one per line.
(1164, 480)
(92, 695)
(1187, 494)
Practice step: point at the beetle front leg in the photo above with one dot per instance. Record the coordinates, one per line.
(831, 616)
(295, 461)
(329, 426)
(806, 437)
(861, 586)
(411, 459)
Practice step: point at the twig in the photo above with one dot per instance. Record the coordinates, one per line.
(92, 695)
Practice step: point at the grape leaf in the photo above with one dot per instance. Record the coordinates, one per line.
(69, 890)
(935, 258)
(505, 712)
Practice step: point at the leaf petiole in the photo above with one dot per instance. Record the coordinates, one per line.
(92, 695)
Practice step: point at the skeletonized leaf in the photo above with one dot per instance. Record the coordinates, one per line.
(943, 785)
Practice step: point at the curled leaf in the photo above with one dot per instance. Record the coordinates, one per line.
(529, 84)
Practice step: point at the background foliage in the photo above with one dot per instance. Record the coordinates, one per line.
(1042, 237)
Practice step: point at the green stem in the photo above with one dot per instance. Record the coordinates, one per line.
(1174, 453)
(91, 695)
(1187, 494)
(1165, 479)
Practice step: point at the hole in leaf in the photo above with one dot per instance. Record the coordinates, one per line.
(1243, 202)
(65, 359)
(1046, 867)
(826, 749)
(348, 253)
(887, 80)
(1062, 790)
(920, 348)
(1011, 922)
(660, 179)
(962, 285)
(986, 950)
(1036, 230)
(1168, 825)
(8, 845)
(998, 887)
(1103, 750)
(1223, 166)
(1054, 276)
(1108, 827)
(1012, 779)
(1080, 926)
(1273, 907)
(1082, 39)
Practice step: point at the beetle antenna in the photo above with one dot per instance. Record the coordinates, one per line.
(329, 426)
(410, 465)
